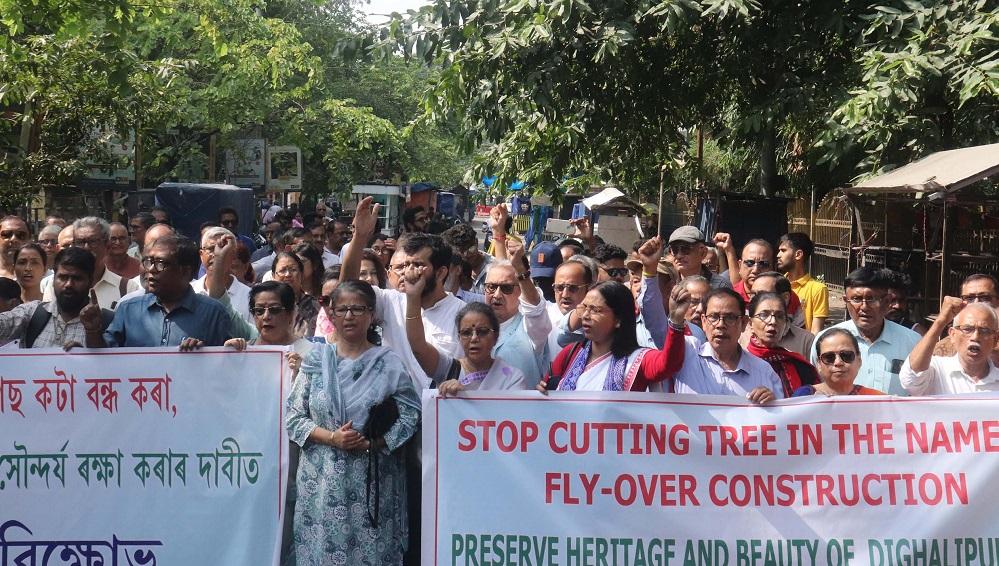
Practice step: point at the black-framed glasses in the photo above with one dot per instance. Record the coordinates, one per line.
(89, 242)
(767, 316)
(969, 329)
(727, 319)
(829, 358)
(157, 264)
(273, 310)
(568, 288)
(48, 243)
(468, 333)
(761, 263)
(353, 310)
(681, 249)
(617, 271)
(505, 288)
(11, 234)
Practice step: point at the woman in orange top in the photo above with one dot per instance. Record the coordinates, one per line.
(839, 362)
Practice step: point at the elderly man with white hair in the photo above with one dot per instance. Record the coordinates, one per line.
(239, 294)
(93, 234)
(970, 370)
(522, 313)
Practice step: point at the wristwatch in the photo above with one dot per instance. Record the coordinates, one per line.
(524, 276)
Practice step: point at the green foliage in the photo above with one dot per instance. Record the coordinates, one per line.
(182, 72)
(930, 82)
(796, 95)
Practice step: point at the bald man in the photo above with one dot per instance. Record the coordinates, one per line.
(970, 370)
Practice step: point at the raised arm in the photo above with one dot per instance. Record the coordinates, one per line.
(650, 299)
(365, 220)
(425, 353)
(659, 365)
(919, 358)
(497, 223)
(723, 242)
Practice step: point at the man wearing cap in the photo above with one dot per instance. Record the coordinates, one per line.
(686, 245)
(545, 259)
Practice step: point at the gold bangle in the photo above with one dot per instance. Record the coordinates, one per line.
(412, 317)
(647, 274)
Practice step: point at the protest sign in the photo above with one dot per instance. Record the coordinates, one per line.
(142, 456)
(644, 479)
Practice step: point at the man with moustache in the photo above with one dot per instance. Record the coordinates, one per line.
(429, 255)
(72, 318)
(970, 369)
(721, 366)
(884, 345)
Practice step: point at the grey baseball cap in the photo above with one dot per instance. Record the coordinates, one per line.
(689, 234)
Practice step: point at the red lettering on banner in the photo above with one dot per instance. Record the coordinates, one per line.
(746, 440)
(805, 439)
(509, 435)
(934, 438)
(867, 438)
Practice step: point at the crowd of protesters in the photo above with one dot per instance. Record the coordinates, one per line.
(371, 321)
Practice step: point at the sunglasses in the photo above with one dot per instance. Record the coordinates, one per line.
(477, 332)
(616, 271)
(261, 311)
(829, 358)
(751, 263)
(505, 288)
(560, 287)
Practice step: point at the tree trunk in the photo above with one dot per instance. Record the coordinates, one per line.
(768, 160)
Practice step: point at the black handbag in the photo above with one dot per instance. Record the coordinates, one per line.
(381, 418)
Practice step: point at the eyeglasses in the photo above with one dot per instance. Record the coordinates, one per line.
(725, 319)
(766, 316)
(566, 287)
(858, 301)
(980, 298)
(591, 310)
(468, 333)
(354, 310)
(261, 311)
(751, 263)
(288, 271)
(156, 264)
(968, 330)
(829, 358)
(48, 243)
(616, 271)
(11, 234)
(681, 249)
(89, 243)
(118, 239)
(505, 288)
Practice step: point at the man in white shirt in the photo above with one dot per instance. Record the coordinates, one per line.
(970, 370)
(337, 235)
(427, 254)
(239, 294)
(92, 234)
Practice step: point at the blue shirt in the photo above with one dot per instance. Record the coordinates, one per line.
(881, 360)
(703, 374)
(143, 321)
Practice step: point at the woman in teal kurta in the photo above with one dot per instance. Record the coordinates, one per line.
(327, 410)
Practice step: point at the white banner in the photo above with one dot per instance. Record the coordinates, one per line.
(142, 456)
(631, 479)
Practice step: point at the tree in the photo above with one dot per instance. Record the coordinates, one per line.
(551, 90)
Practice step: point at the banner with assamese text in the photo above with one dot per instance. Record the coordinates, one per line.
(142, 456)
(628, 479)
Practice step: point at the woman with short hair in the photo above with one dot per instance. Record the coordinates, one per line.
(838, 354)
